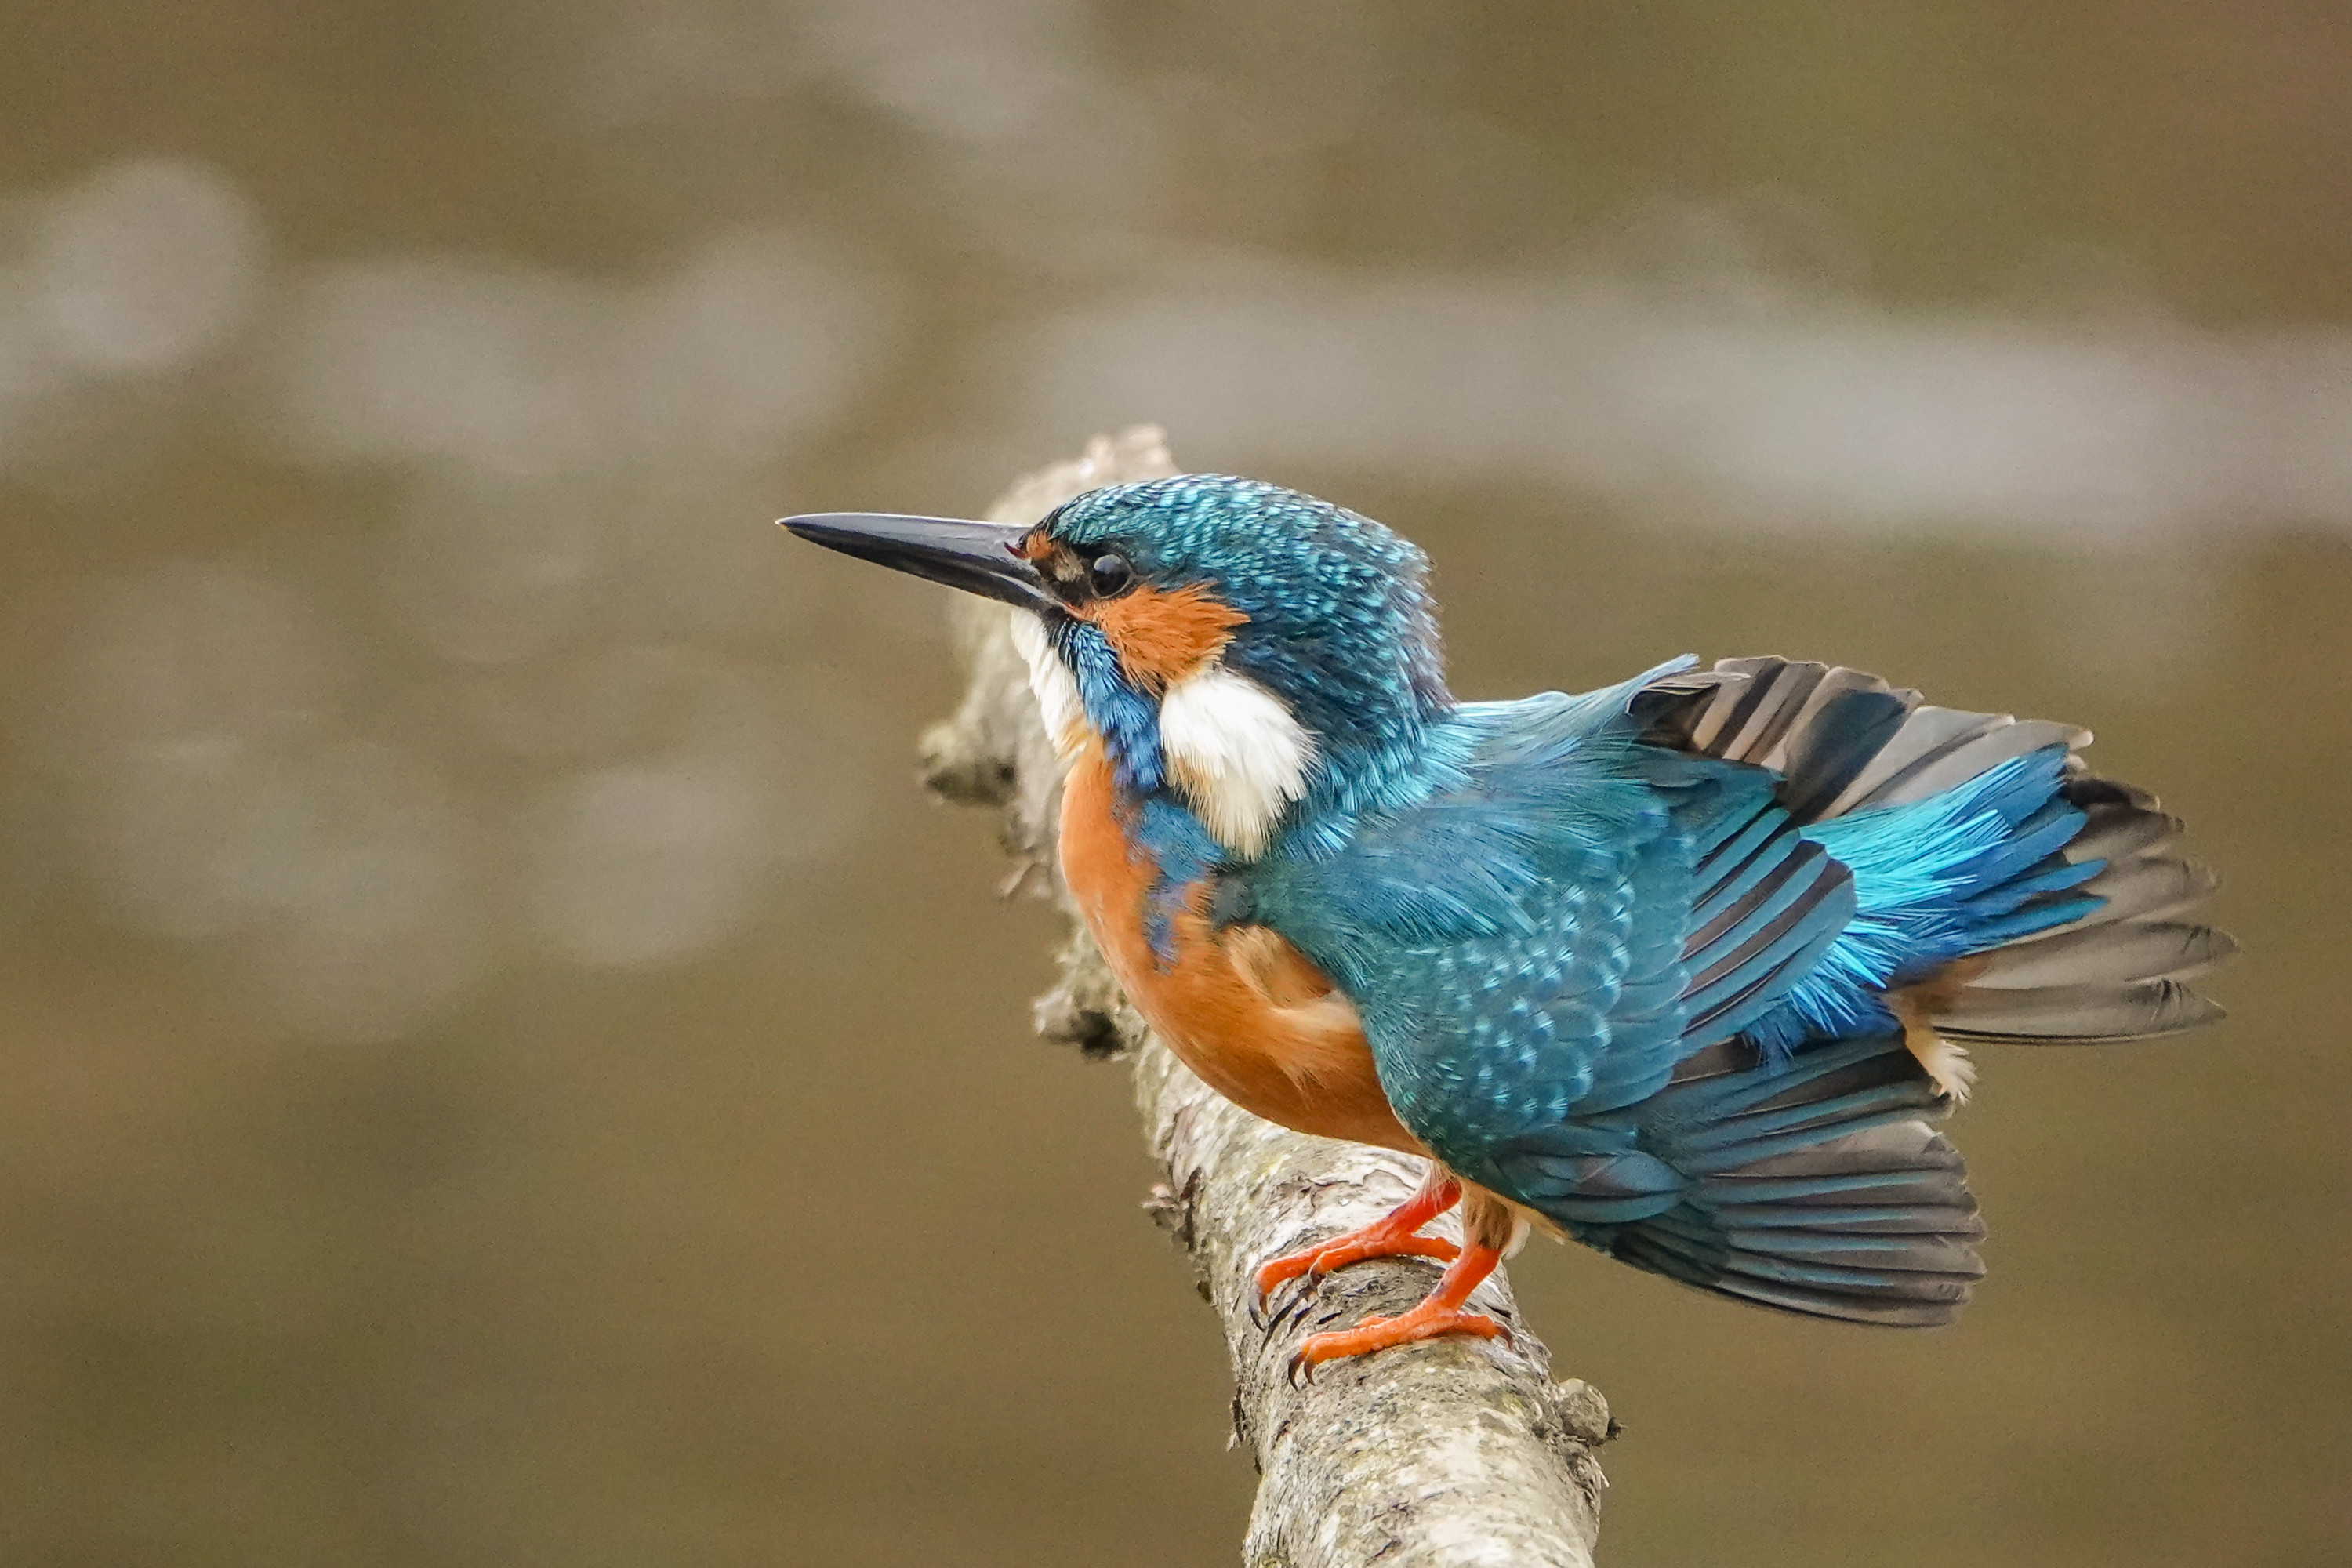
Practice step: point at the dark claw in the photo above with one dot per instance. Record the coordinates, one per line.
(1264, 1314)
(1301, 1373)
(1289, 1297)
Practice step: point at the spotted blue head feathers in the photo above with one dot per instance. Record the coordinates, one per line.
(1257, 656)
(1335, 614)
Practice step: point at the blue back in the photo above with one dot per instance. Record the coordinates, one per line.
(1560, 919)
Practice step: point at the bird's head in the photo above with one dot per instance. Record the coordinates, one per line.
(1242, 647)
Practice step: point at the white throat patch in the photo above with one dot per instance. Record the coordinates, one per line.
(1236, 753)
(1050, 679)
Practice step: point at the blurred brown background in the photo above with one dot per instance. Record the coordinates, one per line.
(499, 1066)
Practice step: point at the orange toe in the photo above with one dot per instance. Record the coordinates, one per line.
(1427, 1321)
(1388, 1236)
(1358, 1249)
(1290, 1265)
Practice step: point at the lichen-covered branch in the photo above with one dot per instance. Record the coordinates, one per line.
(1456, 1451)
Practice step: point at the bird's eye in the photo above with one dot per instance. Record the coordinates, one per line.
(1110, 574)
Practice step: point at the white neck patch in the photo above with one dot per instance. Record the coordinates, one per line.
(1050, 679)
(1236, 752)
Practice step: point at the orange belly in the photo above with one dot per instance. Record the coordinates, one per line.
(1240, 1007)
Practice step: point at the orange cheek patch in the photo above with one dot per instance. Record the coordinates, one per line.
(1161, 638)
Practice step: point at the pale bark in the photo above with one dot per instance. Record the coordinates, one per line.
(1450, 1452)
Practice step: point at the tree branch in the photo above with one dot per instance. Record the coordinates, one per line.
(1455, 1451)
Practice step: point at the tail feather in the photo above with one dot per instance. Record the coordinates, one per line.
(2118, 970)
(2086, 915)
(1945, 767)
(2139, 950)
(2115, 831)
(2082, 1014)
(2146, 888)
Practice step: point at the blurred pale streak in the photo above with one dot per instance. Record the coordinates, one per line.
(1798, 411)
(750, 340)
(1048, 155)
(145, 265)
(438, 358)
(976, 70)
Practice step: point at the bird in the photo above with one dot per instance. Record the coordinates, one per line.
(1686, 969)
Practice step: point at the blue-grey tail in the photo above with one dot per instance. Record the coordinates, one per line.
(2056, 905)
(2001, 892)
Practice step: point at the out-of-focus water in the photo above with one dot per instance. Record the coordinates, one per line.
(500, 1064)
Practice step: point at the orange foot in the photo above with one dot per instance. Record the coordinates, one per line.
(1440, 1313)
(1391, 1237)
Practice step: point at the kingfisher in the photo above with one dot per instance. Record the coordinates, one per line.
(1683, 969)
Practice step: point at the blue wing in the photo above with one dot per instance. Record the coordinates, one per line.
(1542, 938)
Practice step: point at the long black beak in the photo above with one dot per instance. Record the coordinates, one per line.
(974, 556)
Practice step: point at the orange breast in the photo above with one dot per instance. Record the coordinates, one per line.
(1240, 1007)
